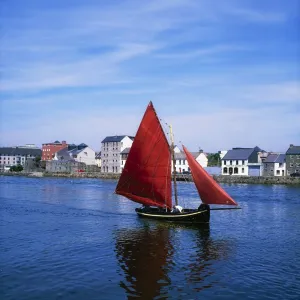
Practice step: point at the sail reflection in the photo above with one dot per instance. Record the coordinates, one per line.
(151, 255)
(145, 256)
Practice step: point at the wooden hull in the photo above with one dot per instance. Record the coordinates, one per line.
(188, 216)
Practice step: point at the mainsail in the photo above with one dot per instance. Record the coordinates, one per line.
(146, 177)
(209, 191)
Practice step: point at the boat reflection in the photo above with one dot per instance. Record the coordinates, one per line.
(144, 255)
(148, 259)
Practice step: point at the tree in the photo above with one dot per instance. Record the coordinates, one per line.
(37, 161)
(213, 159)
(17, 168)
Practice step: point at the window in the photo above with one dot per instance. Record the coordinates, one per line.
(278, 172)
(243, 170)
(236, 162)
(243, 162)
(236, 170)
(230, 162)
(225, 170)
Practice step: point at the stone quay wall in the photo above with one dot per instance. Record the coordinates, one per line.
(219, 178)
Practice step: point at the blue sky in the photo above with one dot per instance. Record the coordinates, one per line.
(224, 73)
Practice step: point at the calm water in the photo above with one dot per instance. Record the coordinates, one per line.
(75, 239)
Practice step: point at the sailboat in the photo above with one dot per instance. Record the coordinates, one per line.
(147, 177)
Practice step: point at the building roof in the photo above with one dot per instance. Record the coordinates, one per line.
(275, 158)
(182, 155)
(11, 151)
(125, 151)
(64, 155)
(82, 146)
(71, 146)
(238, 153)
(54, 143)
(76, 150)
(116, 138)
(68, 152)
(293, 150)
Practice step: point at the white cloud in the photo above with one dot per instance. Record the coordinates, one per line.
(83, 63)
(54, 48)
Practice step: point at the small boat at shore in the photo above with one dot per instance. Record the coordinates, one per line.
(147, 177)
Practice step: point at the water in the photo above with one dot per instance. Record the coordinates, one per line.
(75, 239)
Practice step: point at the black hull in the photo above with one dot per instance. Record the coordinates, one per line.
(187, 216)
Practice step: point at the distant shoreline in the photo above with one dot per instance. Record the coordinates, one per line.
(218, 178)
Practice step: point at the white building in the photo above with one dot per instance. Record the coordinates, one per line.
(98, 159)
(81, 153)
(242, 161)
(12, 156)
(222, 153)
(124, 156)
(181, 164)
(111, 148)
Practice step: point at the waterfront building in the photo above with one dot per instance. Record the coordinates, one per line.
(98, 159)
(81, 153)
(243, 161)
(181, 164)
(274, 165)
(111, 149)
(293, 160)
(124, 156)
(222, 153)
(49, 149)
(12, 156)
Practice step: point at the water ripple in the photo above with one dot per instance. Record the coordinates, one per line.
(75, 239)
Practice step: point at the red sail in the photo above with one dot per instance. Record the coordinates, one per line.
(208, 189)
(146, 177)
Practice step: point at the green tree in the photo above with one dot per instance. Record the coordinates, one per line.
(213, 159)
(17, 168)
(37, 161)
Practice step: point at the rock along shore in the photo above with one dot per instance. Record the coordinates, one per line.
(218, 178)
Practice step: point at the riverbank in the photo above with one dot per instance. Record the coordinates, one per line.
(218, 178)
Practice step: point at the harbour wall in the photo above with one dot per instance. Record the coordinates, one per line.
(219, 178)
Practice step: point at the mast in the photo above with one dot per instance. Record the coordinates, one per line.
(174, 162)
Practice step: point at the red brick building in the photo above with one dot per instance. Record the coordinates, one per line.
(49, 149)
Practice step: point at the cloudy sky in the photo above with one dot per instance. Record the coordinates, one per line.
(224, 73)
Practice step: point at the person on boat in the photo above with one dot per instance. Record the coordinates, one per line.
(177, 209)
